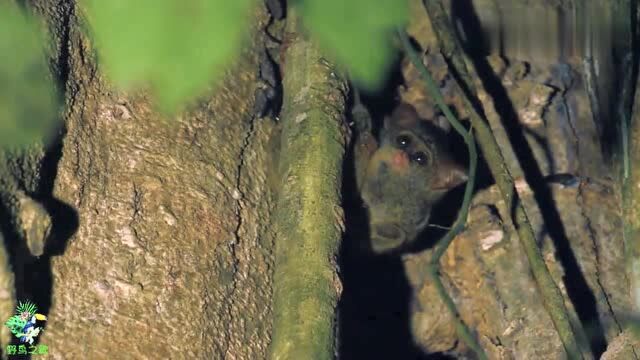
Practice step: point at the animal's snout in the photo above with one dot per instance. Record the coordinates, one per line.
(386, 237)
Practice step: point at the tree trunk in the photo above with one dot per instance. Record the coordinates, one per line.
(169, 256)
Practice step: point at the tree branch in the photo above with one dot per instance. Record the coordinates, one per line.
(552, 298)
(308, 219)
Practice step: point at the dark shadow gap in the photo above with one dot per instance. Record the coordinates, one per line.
(374, 307)
(626, 63)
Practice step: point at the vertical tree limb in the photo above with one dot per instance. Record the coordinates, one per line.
(309, 219)
(553, 300)
(631, 198)
(628, 119)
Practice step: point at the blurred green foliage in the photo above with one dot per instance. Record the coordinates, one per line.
(28, 109)
(177, 47)
(356, 33)
(180, 47)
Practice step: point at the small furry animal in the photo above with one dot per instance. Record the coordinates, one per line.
(402, 178)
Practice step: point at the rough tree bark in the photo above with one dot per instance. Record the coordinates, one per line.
(170, 256)
(542, 119)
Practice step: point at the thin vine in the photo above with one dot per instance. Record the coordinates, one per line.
(553, 300)
(444, 242)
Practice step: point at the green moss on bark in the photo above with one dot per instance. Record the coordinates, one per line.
(309, 220)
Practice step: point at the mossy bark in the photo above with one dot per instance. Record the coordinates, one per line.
(309, 220)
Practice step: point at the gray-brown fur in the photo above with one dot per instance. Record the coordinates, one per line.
(401, 179)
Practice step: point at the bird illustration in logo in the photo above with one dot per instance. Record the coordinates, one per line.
(24, 324)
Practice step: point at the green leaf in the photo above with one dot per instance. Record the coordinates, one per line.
(28, 110)
(176, 47)
(357, 33)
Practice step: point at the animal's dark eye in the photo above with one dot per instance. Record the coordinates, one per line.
(403, 141)
(419, 157)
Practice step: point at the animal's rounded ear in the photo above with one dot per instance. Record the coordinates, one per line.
(449, 175)
(405, 116)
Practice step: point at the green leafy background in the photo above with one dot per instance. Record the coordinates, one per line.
(356, 33)
(28, 109)
(178, 49)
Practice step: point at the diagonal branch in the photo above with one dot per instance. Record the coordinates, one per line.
(552, 298)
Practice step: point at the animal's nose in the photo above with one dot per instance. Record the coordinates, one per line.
(386, 237)
(399, 160)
